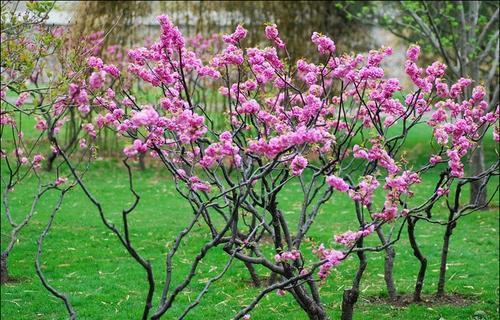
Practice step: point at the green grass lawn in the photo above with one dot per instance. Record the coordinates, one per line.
(84, 259)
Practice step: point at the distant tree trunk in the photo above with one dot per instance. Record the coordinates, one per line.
(478, 196)
(142, 163)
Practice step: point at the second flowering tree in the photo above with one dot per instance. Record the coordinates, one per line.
(338, 127)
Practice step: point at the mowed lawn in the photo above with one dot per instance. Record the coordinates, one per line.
(85, 260)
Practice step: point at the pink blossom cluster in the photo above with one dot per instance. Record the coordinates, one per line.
(279, 144)
(137, 147)
(376, 153)
(401, 184)
(332, 257)
(298, 164)
(21, 100)
(196, 184)
(325, 44)
(37, 159)
(272, 33)
(60, 181)
(218, 151)
(285, 256)
(239, 34)
(349, 237)
(365, 189)
(337, 183)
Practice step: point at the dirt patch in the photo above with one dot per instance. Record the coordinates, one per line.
(405, 300)
(264, 282)
(14, 280)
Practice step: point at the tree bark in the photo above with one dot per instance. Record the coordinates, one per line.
(253, 274)
(50, 161)
(390, 253)
(444, 257)
(349, 298)
(477, 166)
(142, 162)
(417, 294)
(272, 278)
(314, 310)
(351, 295)
(4, 273)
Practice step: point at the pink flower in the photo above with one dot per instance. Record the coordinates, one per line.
(434, 159)
(60, 180)
(285, 256)
(95, 62)
(441, 136)
(89, 128)
(299, 163)
(273, 34)
(333, 257)
(365, 190)
(41, 125)
(478, 93)
(96, 79)
(171, 36)
(22, 99)
(197, 184)
(112, 70)
(325, 44)
(36, 160)
(137, 147)
(440, 191)
(249, 107)
(83, 143)
(337, 183)
(239, 34)
(413, 53)
(455, 164)
(349, 238)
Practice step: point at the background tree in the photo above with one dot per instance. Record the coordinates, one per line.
(297, 20)
(464, 33)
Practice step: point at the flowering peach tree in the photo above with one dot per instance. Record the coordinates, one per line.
(338, 126)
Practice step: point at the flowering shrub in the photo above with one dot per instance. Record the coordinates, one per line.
(338, 127)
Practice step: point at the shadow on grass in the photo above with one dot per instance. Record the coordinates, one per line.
(404, 300)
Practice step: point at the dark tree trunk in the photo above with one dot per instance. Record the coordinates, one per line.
(444, 256)
(272, 278)
(390, 253)
(417, 294)
(50, 161)
(142, 162)
(348, 300)
(477, 166)
(253, 274)
(351, 295)
(4, 276)
(313, 309)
